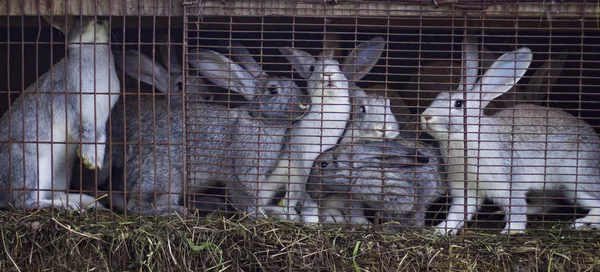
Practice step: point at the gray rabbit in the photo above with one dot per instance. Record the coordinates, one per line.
(371, 114)
(167, 80)
(225, 144)
(61, 120)
(393, 180)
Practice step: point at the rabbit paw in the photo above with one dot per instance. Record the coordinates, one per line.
(583, 223)
(444, 229)
(88, 157)
(60, 203)
(512, 231)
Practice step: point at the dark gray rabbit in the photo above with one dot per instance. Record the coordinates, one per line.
(51, 114)
(240, 147)
(394, 179)
(225, 143)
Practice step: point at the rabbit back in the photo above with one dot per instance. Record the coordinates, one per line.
(401, 191)
(561, 148)
(147, 145)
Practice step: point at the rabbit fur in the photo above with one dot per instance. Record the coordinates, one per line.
(225, 143)
(511, 152)
(371, 115)
(167, 80)
(47, 114)
(395, 179)
(319, 130)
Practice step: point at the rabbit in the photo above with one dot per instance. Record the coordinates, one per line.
(48, 114)
(224, 143)
(168, 81)
(515, 151)
(320, 129)
(395, 179)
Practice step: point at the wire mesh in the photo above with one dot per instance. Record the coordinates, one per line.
(232, 107)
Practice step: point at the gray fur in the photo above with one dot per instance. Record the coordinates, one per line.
(396, 179)
(227, 145)
(371, 118)
(50, 114)
(371, 114)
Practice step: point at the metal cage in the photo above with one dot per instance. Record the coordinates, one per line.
(309, 111)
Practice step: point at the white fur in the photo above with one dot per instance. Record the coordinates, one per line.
(510, 153)
(319, 130)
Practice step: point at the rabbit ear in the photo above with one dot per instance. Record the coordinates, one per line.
(487, 57)
(300, 59)
(504, 74)
(241, 55)
(388, 154)
(62, 23)
(470, 65)
(142, 68)
(542, 80)
(174, 65)
(222, 71)
(362, 59)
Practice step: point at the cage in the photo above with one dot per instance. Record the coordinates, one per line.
(397, 121)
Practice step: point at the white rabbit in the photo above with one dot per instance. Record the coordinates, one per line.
(319, 130)
(70, 108)
(517, 150)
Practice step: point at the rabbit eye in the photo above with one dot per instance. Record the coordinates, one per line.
(324, 164)
(458, 104)
(363, 109)
(272, 90)
(180, 85)
(312, 69)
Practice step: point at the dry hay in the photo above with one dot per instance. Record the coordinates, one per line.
(63, 241)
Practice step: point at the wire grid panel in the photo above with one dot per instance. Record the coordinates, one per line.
(270, 126)
(100, 113)
(449, 119)
(58, 115)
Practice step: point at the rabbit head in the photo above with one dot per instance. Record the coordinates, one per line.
(371, 118)
(371, 114)
(269, 98)
(446, 114)
(384, 176)
(442, 76)
(322, 72)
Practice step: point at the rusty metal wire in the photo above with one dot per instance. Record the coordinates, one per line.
(233, 135)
